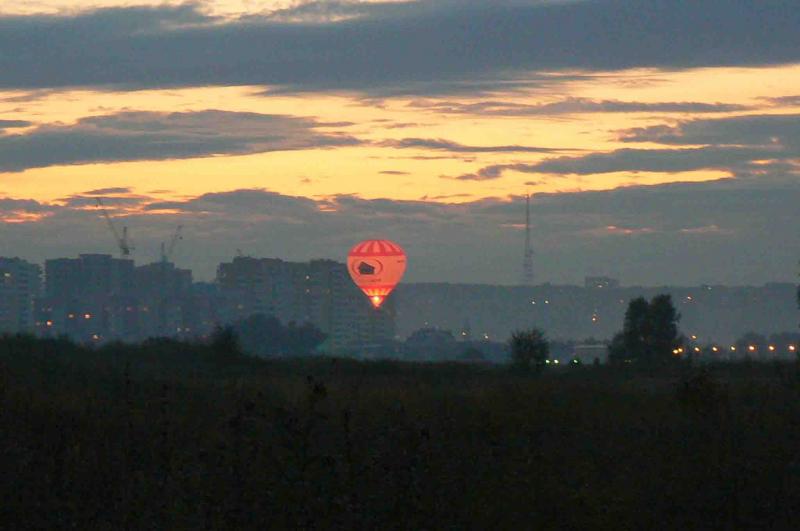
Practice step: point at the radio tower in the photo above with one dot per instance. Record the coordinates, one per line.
(527, 260)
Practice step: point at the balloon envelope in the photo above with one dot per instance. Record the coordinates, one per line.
(376, 266)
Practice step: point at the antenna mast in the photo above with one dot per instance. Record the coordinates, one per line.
(527, 260)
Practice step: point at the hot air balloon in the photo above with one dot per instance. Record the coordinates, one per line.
(376, 266)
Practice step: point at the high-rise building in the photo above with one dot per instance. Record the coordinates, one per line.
(258, 286)
(163, 293)
(89, 298)
(319, 292)
(20, 283)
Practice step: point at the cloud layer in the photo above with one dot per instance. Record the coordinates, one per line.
(749, 145)
(412, 46)
(142, 135)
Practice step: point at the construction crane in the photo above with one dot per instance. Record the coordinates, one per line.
(168, 249)
(123, 241)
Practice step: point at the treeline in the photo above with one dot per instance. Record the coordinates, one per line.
(265, 336)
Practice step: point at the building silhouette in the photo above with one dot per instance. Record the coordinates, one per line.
(20, 284)
(89, 298)
(165, 300)
(319, 292)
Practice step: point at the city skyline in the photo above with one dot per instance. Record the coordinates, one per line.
(99, 298)
(664, 156)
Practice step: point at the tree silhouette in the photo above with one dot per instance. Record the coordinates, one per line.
(529, 349)
(265, 336)
(225, 343)
(649, 333)
(302, 340)
(663, 330)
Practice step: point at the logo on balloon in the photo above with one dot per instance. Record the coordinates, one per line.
(369, 267)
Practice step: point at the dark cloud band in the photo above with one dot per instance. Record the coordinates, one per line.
(411, 46)
(131, 136)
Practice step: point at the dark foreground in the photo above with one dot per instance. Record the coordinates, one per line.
(180, 437)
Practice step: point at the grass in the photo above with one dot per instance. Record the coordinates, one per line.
(175, 436)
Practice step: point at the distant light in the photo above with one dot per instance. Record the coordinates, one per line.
(49, 323)
(751, 348)
(95, 337)
(71, 316)
(547, 302)
(689, 298)
(533, 302)
(547, 362)
(575, 361)
(676, 351)
(715, 349)
(87, 316)
(694, 336)
(792, 348)
(772, 348)
(697, 349)
(733, 348)
(555, 361)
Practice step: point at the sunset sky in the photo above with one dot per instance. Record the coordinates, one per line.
(660, 139)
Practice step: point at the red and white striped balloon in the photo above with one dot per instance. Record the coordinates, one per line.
(376, 266)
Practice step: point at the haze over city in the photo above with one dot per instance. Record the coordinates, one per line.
(660, 144)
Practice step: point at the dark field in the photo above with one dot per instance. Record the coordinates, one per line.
(170, 436)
